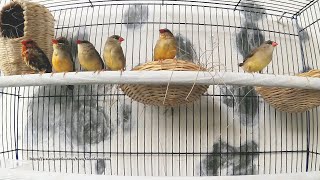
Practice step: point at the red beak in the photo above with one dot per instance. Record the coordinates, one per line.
(274, 44)
(54, 41)
(121, 39)
(23, 42)
(162, 30)
(79, 41)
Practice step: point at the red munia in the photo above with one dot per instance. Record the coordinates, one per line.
(34, 57)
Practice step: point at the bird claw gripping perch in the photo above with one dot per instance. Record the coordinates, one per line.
(99, 71)
(42, 72)
(160, 61)
(176, 60)
(24, 73)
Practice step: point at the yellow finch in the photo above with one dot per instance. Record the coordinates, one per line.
(61, 57)
(166, 46)
(88, 56)
(259, 57)
(113, 54)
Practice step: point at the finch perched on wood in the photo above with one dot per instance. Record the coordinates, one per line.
(259, 57)
(166, 46)
(89, 58)
(61, 57)
(113, 54)
(34, 57)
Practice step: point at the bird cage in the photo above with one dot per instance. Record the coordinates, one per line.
(232, 128)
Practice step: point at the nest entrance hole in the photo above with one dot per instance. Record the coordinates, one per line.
(12, 21)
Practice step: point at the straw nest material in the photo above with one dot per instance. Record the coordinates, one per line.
(22, 20)
(158, 94)
(290, 99)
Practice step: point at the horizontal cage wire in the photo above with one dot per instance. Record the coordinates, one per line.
(230, 130)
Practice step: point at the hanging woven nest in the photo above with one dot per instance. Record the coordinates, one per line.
(22, 20)
(290, 99)
(158, 94)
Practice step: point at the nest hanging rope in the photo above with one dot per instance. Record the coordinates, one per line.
(290, 99)
(20, 20)
(164, 95)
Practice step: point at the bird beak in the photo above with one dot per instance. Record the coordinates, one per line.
(54, 41)
(274, 44)
(79, 41)
(121, 39)
(23, 42)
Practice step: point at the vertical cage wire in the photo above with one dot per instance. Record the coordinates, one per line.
(96, 129)
(308, 34)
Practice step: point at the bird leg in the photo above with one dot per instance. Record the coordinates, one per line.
(52, 74)
(252, 73)
(42, 72)
(64, 74)
(160, 61)
(99, 71)
(176, 60)
(121, 72)
(22, 74)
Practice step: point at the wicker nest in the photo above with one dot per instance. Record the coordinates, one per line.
(290, 99)
(158, 94)
(22, 20)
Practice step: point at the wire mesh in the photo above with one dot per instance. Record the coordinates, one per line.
(96, 129)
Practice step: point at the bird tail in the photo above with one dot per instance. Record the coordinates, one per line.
(240, 64)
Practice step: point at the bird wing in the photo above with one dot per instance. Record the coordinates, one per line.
(38, 59)
(250, 54)
(99, 57)
(117, 54)
(157, 50)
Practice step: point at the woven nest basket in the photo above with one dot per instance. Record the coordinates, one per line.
(158, 94)
(290, 99)
(22, 20)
